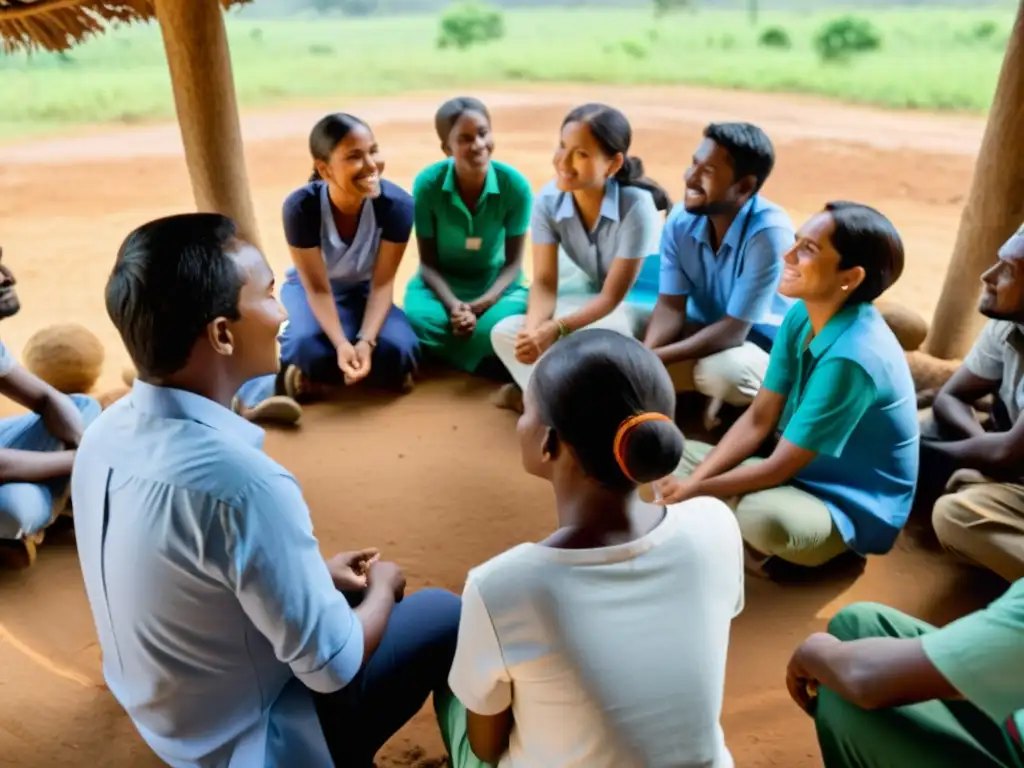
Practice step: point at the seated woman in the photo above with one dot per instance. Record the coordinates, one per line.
(839, 392)
(472, 214)
(347, 230)
(602, 213)
(604, 645)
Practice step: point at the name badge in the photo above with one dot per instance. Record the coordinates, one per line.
(474, 243)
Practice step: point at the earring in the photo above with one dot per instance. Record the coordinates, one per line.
(846, 287)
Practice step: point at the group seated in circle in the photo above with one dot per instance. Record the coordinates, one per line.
(723, 290)
(205, 579)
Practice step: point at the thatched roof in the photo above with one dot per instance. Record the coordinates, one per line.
(56, 25)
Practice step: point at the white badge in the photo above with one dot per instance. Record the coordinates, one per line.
(474, 243)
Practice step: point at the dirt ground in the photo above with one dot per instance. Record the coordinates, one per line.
(434, 478)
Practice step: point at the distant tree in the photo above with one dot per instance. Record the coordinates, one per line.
(840, 39)
(661, 7)
(470, 23)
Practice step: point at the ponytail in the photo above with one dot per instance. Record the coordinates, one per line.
(631, 174)
(315, 176)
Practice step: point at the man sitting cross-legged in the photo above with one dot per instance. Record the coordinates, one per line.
(225, 634)
(981, 517)
(36, 449)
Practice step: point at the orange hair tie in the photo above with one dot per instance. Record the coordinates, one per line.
(622, 437)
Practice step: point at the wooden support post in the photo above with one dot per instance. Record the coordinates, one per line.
(196, 44)
(994, 210)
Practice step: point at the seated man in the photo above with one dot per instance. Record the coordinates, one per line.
(886, 689)
(36, 449)
(225, 635)
(718, 308)
(981, 518)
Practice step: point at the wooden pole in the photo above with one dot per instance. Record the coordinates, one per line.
(196, 44)
(994, 210)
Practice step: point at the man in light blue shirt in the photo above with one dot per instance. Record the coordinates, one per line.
(225, 635)
(36, 449)
(721, 262)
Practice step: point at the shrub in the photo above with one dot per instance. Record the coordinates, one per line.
(984, 30)
(633, 49)
(661, 7)
(775, 37)
(841, 38)
(470, 23)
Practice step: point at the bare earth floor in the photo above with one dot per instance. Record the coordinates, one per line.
(433, 478)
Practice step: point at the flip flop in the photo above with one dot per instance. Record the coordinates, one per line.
(276, 409)
(509, 398)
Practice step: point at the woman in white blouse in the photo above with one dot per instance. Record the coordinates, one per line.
(604, 645)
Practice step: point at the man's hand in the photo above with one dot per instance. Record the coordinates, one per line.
(673, 490)
(387, 575)
(801, 683)
(463, 320)
(530, 345)
(62, 420)
(349, 570)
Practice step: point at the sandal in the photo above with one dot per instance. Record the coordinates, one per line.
(509, 398)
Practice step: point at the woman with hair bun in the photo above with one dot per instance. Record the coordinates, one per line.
(837, 408)
(595, 232)
(472, 214)
(604, 645)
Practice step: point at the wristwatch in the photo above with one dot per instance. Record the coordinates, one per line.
(371, 342)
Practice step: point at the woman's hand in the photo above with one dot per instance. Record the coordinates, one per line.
(481, 305)
(354, 361)
(364, 358)
(673, 490)
(463, 320)
(530, 345)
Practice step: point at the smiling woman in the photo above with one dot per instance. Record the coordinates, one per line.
(347, 230)
(472, 213)
(839, 393)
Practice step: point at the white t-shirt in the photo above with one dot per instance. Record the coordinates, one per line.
(610, 657)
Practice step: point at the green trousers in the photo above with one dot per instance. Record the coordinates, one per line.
(451, 720)
(933, 734)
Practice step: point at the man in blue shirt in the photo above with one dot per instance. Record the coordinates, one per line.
(225, 635)
(36, 449)
(718, 306)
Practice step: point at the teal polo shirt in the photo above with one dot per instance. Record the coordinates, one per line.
(850, 399)
(471, 245)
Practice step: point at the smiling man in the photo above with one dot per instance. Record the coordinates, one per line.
(981, 518)
(36, 449)
(718, 308)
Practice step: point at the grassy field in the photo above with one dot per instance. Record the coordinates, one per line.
(929, 58)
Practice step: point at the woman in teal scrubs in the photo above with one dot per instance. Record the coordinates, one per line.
(839, 398)
(471, 216)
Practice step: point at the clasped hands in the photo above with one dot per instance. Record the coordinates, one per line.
(464, 314)
(354, 361)
(531, 344)
(355, 571)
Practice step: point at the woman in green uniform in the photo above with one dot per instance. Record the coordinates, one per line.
(472, 214)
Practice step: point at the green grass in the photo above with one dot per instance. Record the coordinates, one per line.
(930, 58)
